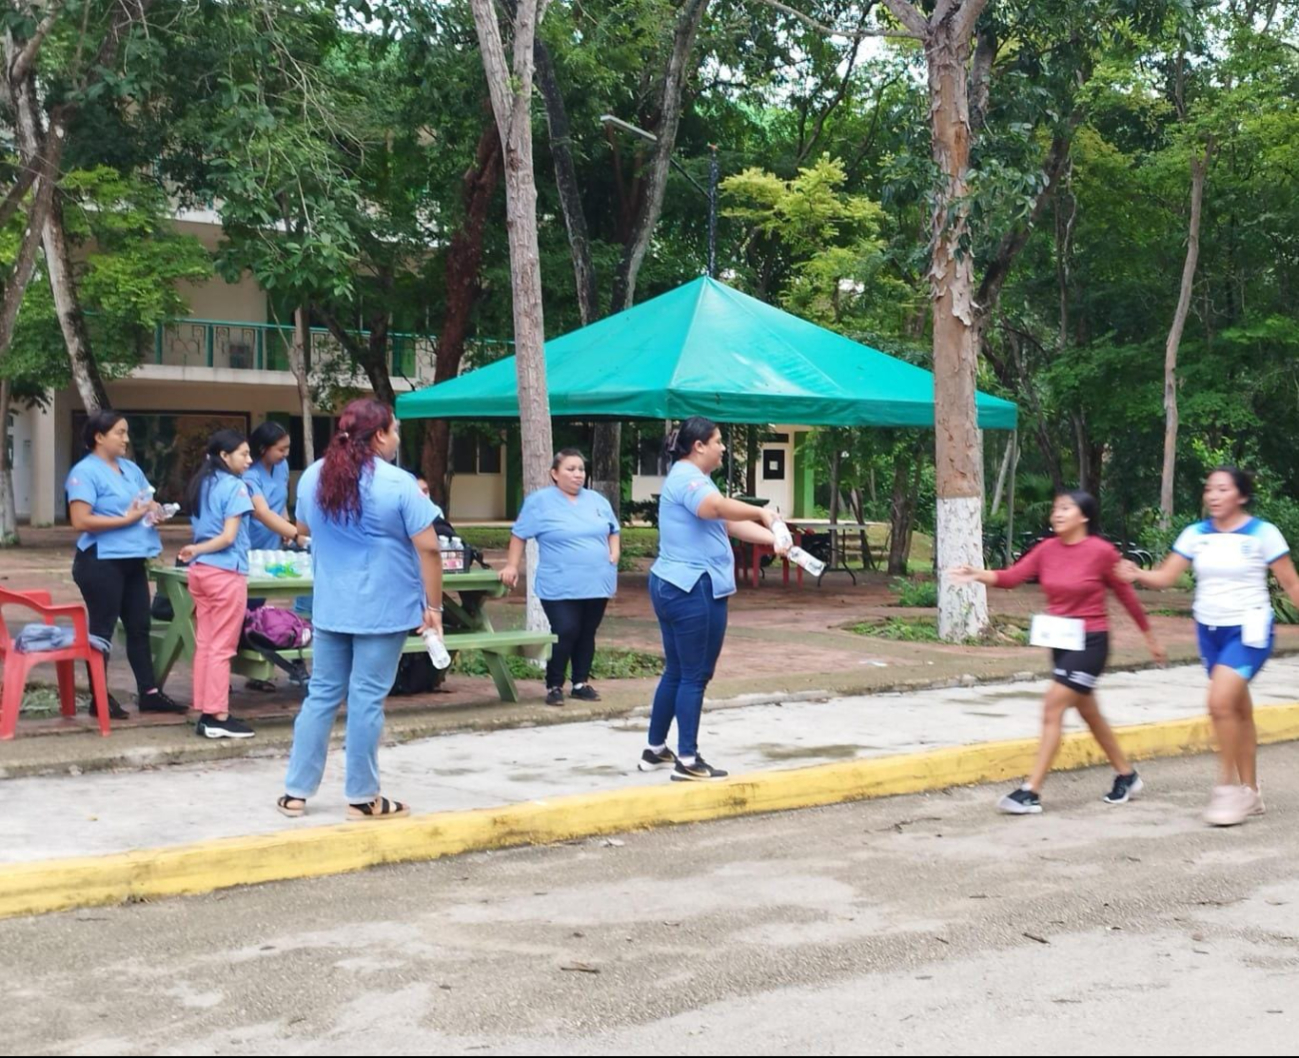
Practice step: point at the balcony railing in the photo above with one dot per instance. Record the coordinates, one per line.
(265, 346)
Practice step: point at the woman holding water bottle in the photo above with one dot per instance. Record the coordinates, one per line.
(577, 568)
(1075, 568)
(378, 574)
(689, 586)
(111, 503)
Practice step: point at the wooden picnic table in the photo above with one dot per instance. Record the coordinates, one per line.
(466, 625)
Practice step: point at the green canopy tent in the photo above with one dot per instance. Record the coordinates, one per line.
(707, 349)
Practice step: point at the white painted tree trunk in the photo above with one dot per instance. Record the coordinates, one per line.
(958, 447)
(962, 611)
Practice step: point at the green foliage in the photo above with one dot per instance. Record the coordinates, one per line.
(611, 663)
(917, 592)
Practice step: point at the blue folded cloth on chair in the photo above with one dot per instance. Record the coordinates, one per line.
(36, 639)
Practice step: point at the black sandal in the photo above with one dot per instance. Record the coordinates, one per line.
(285, 806)
(379, 808)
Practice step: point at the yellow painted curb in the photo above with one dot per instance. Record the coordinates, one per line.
(57, 885)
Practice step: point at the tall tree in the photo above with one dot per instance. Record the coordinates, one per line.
(510, 86)
(606, 445)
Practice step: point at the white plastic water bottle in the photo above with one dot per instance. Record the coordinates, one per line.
(437, 650)
(784, 539)
(257, 563)
(810, 563)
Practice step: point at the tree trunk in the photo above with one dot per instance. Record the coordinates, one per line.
(25, 263)
(606, 455)
(58, 263)
(570, 192)
(901, 512)
(8, 502)
(752, 455)
(1199, 172)
(40, 154)
(511, 92)
(300, 365)
(1001, 478)
(962, 610)
(463, 286)
(40, 149)
(371, 356)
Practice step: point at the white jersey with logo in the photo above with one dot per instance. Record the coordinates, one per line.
(1230, 568)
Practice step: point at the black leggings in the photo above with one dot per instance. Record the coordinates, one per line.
(118, 588)
(575, 622)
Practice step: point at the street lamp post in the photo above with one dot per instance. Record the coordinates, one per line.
(710, 192)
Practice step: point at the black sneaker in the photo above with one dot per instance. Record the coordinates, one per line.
(1021, 803)
(555, 696)
(699, 771)
(157, 702)
(209, 726)
(115, 710)
(1125, 788)
(656, 759)
(585, 692)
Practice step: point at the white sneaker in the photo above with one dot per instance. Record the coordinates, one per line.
(1230, 806)
(1259, 809)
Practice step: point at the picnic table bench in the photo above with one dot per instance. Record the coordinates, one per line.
(466, 625)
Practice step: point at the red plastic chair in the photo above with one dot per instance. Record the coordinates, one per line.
(17, 665)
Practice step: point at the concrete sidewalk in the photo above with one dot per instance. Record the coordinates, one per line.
(106, 813)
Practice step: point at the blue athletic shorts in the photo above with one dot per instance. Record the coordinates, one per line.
(1221, 645)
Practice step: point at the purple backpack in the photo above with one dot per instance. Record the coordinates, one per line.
(270, 628)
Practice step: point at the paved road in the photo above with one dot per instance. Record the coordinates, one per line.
(78, 815)
(916, 925)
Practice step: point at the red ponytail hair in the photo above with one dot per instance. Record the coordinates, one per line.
(350, 452)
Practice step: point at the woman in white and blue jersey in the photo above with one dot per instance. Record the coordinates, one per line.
(1231, 553)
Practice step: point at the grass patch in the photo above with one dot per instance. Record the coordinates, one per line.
(1171, 611)
(611, 664)
(918, 594)
(637, 541)
(1004, 631)
(40, 699)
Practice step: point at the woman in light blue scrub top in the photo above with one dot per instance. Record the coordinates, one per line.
(689, 585)
(268, 484)
(577, 568)
(377, 574)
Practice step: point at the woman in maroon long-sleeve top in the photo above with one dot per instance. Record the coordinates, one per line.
(1075, 569)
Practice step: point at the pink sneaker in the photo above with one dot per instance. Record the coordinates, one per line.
(1230, 806)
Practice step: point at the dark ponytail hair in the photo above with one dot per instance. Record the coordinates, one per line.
(350, 452)
(1243, 479)
(99, 422)
(223, 442)
(681, 441)
(266, 435)
(1086, 503)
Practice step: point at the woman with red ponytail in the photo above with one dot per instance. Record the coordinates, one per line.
(377, 572)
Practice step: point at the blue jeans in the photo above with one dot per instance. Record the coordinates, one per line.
(693, 625)
(361, 669)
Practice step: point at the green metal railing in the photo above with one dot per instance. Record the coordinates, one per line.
(190, 342)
